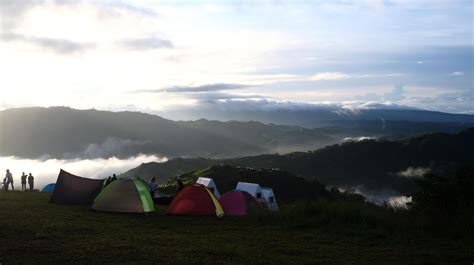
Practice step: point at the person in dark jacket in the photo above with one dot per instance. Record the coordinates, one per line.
(152, 187)
(31, 181)
(180, 184)
(23, 181)
(9, 179)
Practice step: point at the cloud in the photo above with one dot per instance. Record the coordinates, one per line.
(396, 94)
(413, 172)
(457, 73)
(110, 147)
(201, 88)
(376, 4)
(220, 96)
(147, 43)
(329, 76)
(399, 201)
(65, 26)
(324, 76)
(61, 46)
(130, 8)
(378, 197)
(46, 170)
(358, 139)
(12, 10)
(456, 101)
(262, 103)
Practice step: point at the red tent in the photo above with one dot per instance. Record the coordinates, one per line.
(195, 199)
(238, 203)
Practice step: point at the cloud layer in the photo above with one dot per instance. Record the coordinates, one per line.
(46, 171)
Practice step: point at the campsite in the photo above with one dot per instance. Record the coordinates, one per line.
(328, 132)
(38, 232)
(120, 224)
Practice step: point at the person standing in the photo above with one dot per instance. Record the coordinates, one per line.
(152, 187)
(9, 178)
(31, 181)
(180, 184)
(23, 181)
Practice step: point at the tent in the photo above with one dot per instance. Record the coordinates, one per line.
(49, 187)
(195, 199)
(210, 184)
(253, 188)
(72, 189)
(238, 203)
(270, 199)
(126, 196)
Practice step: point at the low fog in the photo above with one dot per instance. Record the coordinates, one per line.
(46, 171)
(379, 197)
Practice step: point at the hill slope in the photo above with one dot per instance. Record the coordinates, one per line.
(287, 186)
(373, 164)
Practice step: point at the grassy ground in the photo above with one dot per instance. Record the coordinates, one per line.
(34, 231)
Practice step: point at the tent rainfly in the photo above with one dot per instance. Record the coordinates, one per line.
(195, 199)
(125, 196)
(49, 187)
(270, 199)
(210, 184)
(239, 203)
(253, 188)
(72, 189)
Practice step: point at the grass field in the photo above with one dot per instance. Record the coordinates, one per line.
(34, 231)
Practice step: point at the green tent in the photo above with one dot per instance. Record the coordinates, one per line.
(126, 196)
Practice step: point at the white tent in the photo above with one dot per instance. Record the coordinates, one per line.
(210, 184)
(270, 199)
(253, 188)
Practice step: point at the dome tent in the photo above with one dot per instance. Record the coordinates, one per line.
(239, 203)
(210, 184)
(195, 199)
(253, 188)
(126, 196)
(49, 187)
(270, 199)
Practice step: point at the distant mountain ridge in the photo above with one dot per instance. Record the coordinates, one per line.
(321, 116)
(62, 132)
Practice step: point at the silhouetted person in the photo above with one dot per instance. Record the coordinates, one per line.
(107, 181)
(152, 187)
(31, 181)
(114, 177)
(180, 184)
(9, 178)
(23, 181)
(4, 184)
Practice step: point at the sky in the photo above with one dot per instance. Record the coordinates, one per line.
(153, 56)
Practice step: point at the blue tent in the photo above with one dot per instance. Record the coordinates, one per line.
(49, 187)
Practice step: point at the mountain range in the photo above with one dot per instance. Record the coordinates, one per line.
(62, 132)
(316, 116)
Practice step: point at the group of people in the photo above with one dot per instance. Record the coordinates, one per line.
(8, 181)
(110, 179)
(153, 187)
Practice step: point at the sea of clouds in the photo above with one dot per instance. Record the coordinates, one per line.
(46, 171)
